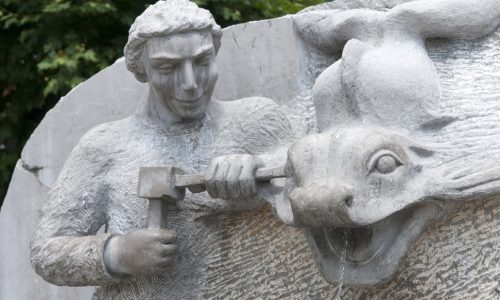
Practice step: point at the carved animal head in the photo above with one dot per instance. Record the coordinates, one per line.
(365, 193)
(360, 190)
(378, 172)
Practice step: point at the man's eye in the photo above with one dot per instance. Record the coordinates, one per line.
(167, 68)
(384, 163)
(203, 61)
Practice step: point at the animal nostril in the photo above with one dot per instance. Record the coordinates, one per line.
(348, 200)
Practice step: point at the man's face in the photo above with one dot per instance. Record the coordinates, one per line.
(181, 71)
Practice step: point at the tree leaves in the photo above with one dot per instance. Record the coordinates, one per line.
(228, 12)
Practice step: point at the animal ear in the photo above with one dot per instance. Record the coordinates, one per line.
(331, 103)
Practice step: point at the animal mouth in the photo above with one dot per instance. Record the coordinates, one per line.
(362, 244)
(371, 254)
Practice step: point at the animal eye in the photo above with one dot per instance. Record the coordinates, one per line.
(384, 163)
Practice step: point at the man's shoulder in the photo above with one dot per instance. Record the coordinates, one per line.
(249, 104)
(101, 139)
(252, 110)
(253, 125)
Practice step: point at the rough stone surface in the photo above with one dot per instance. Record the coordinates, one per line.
(387, 161)
(111, 94)
(272, 75)
(261, 257)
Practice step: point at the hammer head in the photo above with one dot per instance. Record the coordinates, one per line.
(159, 182)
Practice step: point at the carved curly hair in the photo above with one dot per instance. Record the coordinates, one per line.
(164, 18)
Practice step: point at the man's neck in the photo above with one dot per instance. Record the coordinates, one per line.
(156, 112)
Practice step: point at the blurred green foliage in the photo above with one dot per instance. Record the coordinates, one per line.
(47, 47)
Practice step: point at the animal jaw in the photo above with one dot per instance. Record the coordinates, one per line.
(371, 254)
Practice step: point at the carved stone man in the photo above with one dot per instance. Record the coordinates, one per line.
(172, 46)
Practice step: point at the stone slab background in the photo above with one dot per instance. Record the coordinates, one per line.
(456, 259)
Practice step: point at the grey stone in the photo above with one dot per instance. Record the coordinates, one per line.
(172, 46)
(382, 168)
(18, 219)
(110, 95)
(276, 75)
(261, 257)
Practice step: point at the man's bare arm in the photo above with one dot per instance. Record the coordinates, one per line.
(461, 19)
(329, 30)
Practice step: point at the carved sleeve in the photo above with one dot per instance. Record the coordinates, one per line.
(65, 249)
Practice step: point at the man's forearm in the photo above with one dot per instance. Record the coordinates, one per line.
(72, 260)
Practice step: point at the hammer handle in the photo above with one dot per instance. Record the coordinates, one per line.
(197, 181)
(157, 214)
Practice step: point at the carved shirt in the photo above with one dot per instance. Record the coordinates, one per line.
(95, 197)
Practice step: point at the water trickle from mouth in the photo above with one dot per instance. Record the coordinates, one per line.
(338, 294)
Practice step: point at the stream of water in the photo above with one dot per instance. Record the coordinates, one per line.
(338, 295)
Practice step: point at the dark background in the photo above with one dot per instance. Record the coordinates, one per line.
(47, 47)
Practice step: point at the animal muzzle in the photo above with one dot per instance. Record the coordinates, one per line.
(322, 206)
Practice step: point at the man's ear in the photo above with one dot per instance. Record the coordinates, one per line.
(140, 72)
(141, 76)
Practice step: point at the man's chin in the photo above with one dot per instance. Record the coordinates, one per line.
(191, 111)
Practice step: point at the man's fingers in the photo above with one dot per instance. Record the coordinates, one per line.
(209, 179)
(232, 176)
(163, 266)
(233, 181)
(220, 180)
(164, 236)
(168, 250)
(216, 178)
(247, 179)
(166, 261)
(247, 186)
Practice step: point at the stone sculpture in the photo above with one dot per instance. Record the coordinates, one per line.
(172, 46)
(380, 169)
(252, 255)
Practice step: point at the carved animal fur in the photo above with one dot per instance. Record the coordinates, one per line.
(379, 171)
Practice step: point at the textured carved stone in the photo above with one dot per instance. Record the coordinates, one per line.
(260, 257)
(172, 46)
(382, 167)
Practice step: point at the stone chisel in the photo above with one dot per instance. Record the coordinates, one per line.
(161, 185)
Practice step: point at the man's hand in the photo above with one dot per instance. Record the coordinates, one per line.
(232, 176)
(142, 252)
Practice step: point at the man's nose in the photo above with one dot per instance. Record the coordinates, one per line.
(188, 78)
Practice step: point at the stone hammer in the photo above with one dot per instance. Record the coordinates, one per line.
(161, 185)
